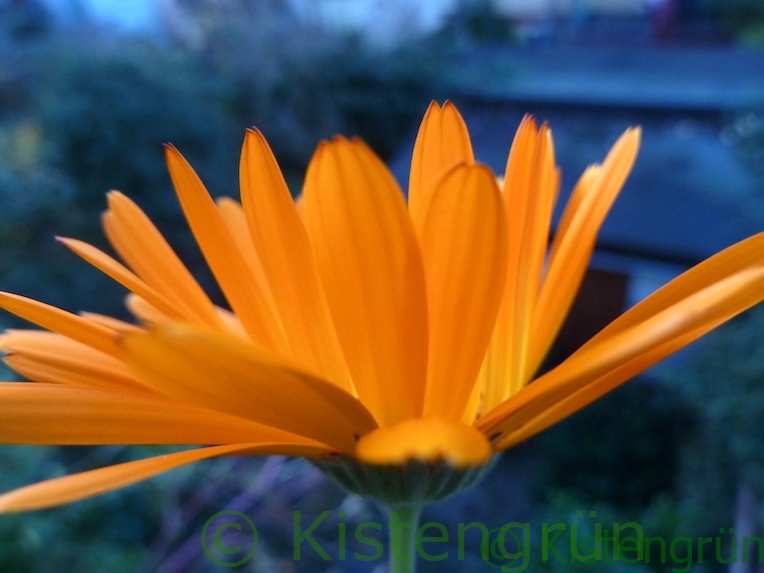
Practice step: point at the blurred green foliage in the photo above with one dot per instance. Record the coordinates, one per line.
(744, 18)
(723, 378)
(111, 533)
(624, 449)
(89, 114)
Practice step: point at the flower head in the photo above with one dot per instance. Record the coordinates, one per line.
(361, 328)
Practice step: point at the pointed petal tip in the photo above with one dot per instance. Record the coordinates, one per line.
(433, 106)
(633, 134)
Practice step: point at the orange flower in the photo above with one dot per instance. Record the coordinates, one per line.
(359, 326)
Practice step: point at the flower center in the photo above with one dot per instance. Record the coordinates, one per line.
(416, 461)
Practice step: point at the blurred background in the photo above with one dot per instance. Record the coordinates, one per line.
(90, 89)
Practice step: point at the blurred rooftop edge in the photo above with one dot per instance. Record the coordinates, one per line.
(387, 23)
(698, 78)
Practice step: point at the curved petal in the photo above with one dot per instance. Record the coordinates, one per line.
(234, 218)
(79, 486)
(52, 318)
(442, 142)
(114, 324)
(746, 254)
(574, 242)
(232, 376)
(146, 313)
(52, 414)
(530, 189)
(462, 232)
(48, 357)
(281, 241)
(142, 246)
(371, 269)
(684, 321)
(123, 276)
(600, 387)
(224, 257)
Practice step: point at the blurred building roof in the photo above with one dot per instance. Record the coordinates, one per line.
(651, 77)
(689, 195)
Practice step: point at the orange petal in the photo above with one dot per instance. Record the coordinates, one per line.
(75, 327)
(574, 242)
(122, 275)
(282, 244)
(229, 375)
(530, 188)
(599, 387)
(224, 257)
(629, 351)
(48, 357)
(114, 324)
(426, 439)
(39, 413)
(746, 254)
(234, 218)
(145, 312)
(142, 246)
(88, 484)
(462, 232)
(474, 407)
(371, 269)
(442, 142)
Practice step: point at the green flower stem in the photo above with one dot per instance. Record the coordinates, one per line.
(404, 522)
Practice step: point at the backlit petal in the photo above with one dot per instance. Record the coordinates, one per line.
(282, 244)
(87, 484)
(442, 142)
(224, 257)
(574, 242)
(143, 247)
(530, 188)
(66, 323)
(123, 276)
(236, 222)
(462, 232)
(746, 254)
(48, 357)
(229, 375)
(114, 324)
(371, 270)
(696, 314)
(39, 413)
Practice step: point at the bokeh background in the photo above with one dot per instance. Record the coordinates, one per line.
(90, 89)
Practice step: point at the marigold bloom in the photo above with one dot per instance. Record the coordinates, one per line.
(359, 325)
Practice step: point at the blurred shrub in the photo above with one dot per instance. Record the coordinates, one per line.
(744, 18)
(624, 449)
(95, 118)
(299, 84)
(475, 22)
(100, 108)
(111, 533)
(745, 131)
(722, 376)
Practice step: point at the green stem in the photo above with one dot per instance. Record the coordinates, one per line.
(404, 522)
